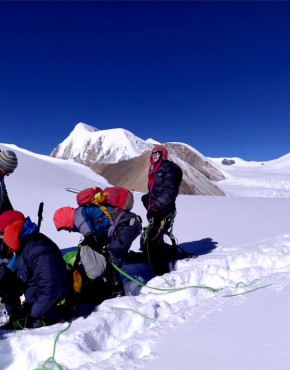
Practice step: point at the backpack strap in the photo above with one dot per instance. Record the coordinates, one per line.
(115, 223)
(102, 208)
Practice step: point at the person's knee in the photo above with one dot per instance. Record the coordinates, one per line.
(117, 255)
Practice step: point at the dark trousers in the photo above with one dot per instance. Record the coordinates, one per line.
(154, 246)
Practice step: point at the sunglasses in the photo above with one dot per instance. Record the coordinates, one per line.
(158, 152)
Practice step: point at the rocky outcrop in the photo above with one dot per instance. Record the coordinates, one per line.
(132, 174)
(196, 160)
(228, 162)
(123, 159)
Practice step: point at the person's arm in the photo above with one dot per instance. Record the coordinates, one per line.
(167, 191)
(45, 277)
(5, 203)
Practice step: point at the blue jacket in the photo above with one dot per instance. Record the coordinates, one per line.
(91, 219)
(41, 268)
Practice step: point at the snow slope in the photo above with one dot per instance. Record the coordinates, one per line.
(227, 309)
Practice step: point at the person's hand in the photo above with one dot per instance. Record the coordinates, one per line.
(95, 242)
(151, 214)
(22, 312)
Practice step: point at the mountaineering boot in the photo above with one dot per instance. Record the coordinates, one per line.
(116, 285)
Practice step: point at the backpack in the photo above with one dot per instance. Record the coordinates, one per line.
(177, 171)
(86, 278)
(94, 263)
(86, 196)
(121, 199)
(116, 196)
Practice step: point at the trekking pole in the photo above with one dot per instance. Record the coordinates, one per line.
(72, 190)
(40, 212)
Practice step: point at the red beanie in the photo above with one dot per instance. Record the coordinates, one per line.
(8, 217)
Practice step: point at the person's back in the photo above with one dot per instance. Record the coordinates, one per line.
(103, 226)
(42, 262)
(91, 219)
(8, 163)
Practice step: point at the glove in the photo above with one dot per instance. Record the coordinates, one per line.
(145, 199)
(95, 242)
(151, 214)
(21, 312)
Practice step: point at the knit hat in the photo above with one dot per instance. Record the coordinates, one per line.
(8, 160)
(9, 217)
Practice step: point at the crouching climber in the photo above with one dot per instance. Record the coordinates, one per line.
(106, 230)
(34, 267)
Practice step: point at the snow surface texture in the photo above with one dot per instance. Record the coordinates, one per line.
(177, 321)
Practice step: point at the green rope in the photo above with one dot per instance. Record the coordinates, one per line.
(241, 283)
(225, 296)
(134, 311)
(147, 247)
(53, 354)
(215, 290)
(18, 326)
(147, 251)
(246, 292)
(211, 289)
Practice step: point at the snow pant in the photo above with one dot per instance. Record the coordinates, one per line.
(119, 246)
(121, 242)
(152, 244)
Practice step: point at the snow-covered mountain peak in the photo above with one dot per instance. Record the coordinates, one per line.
(106, 151)
(82, 128)
(152, 141)
(86, 143)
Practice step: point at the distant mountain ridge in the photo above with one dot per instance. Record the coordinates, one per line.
(123, 159)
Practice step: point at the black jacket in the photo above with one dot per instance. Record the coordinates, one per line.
(42, 271)
(5, 203)
(161, 199)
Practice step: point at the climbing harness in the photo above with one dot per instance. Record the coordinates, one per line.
(169, 218)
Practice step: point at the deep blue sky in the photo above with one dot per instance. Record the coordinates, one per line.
(215, 75)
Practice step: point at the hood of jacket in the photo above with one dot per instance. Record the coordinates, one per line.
(17, 231)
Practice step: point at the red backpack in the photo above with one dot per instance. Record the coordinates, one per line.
(86, 196)
(118, 197)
